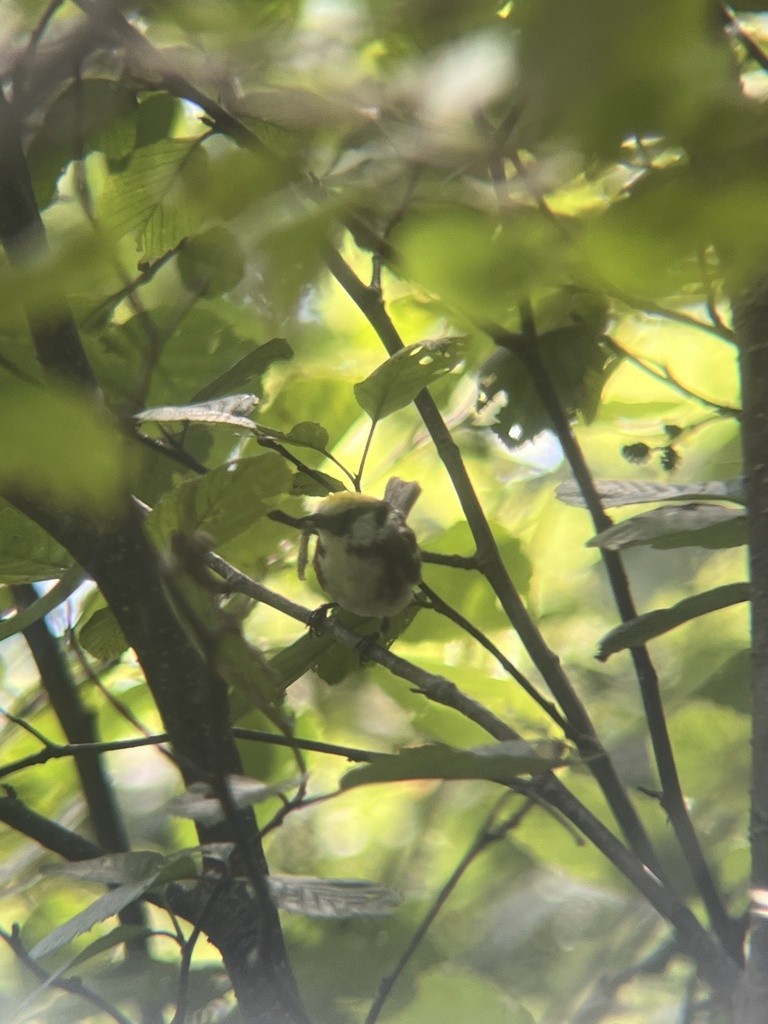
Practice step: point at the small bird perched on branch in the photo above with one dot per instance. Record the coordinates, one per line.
(366, 556)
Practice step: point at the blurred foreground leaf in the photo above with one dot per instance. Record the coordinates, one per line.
(61, 450)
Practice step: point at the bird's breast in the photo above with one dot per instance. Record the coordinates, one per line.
(364, 579)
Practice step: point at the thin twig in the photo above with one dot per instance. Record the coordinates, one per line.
(661, 373)
(94, 315)
(709, 291)
(119, 706)
(27, 727)
(602, 997)
(718, 968)
(55, 751)
(492, 566)
(755, 52)
(169, 450)
(75, 986)
(729, 932)
(443, 608)
(358, 477)
(651, 308)
(187, 949)
(26, 57)
(313, 474)
(17, 372)
(487, 835)
(451, 561)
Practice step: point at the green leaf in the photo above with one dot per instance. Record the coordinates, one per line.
(200, 802)
(456, 996)
(112, 868)
(500, 762)
(59, 593)
(594, 79)
(93, 114)
(659, 217)
(297, 658)
(645, 627)
(61, 449)
(245, 371)
(118, 936)
(198, 349)
(675, 526)
(180, 866)
(396, 383)
(105, 906)
(155, 118)
(729, 684)
(308, 486)
(132, 873)
(339, 661)
(476, 265)
(247, 674)
(579, 364)
(101, 636)
(308, 435)
(212, 262)
(148, 199)
(123, 933)
(27, 553)
(225, 502)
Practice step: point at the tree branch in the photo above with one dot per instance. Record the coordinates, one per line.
(191, 698)
(230, 924)
(78, 726)
(74, 986)
(694, 939)
(487, 835)
(750, 315)
(55, 335)
(673, 801)
(491, 565)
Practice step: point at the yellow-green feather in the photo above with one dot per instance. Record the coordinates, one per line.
(340, 501)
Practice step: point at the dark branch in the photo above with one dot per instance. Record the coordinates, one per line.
(491, 832)
(75, 986)
(55, 335)
(78, 726)
(730, 932)
(491, 565)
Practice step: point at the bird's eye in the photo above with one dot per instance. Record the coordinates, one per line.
(341, 524)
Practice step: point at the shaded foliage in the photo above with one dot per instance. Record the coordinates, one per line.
(257, 253)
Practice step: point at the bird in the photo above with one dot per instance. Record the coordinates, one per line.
(366, 556)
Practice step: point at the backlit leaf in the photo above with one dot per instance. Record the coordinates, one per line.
(645, 627)
(501, 762)
(62, 450)
(395, 384)
(673, 526)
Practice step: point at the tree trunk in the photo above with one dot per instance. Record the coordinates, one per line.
(750, 314)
